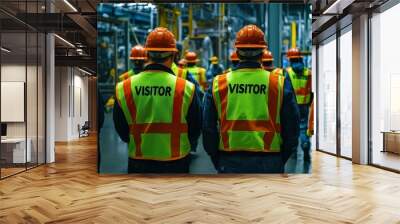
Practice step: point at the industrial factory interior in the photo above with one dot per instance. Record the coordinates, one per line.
(73, 148)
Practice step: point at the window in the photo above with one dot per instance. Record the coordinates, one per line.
(22, 76)
(385, 89)
(327, 96)
(346, 93)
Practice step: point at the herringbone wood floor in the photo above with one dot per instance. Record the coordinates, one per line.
(70, 191)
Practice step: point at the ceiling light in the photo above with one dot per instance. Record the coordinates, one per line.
(65, 41)
(70, 5)
(5, 50)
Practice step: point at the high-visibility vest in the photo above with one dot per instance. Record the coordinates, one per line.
(126, 75)
(310, 130)
(249, 102)
(180, 72)
(301, 84)
(277, 71)
(200, 75)
(155, 105)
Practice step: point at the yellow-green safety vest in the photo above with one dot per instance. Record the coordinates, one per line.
(126, 75)
(249, 102)
(180, 72)
(155, 105)
(301, 85)
(278, 71)
(200, 75)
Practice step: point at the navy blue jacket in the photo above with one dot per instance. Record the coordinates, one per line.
(193, 119)
(289, 124)
(214, 70)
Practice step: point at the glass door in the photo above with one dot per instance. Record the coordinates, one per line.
(22, 77)
(327, 96)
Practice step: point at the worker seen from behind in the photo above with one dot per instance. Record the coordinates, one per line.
(175, 68)
(138, 58)
(300, 77)
(214, 69)
(181, 71)
(158, 114)
(198, 72)
(251, 120)
(268, 63)
(234, 61)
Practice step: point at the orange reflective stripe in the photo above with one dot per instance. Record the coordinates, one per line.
(311, 120)
(268, 137)
(159, 127)
(223, 95)
(302, 91)
(138, 140)
(180, 72)
(273, 96)
(177, 114)
(132, 110)
(272, 108)
(128, 97)
(247, 125)
(305, 90)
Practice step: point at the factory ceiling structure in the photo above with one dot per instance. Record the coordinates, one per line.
(75, 23)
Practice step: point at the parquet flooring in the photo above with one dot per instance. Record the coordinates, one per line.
(71, 191)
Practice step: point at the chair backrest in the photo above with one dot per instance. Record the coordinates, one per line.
(86, 125)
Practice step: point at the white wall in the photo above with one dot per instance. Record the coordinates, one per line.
(61, 103)
(71, 93)
(33, 127)
(16, 73)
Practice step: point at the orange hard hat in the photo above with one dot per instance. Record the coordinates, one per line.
(138, 53)
(234, 56)
(191, 57)
(250, 36)
(161, 39)
(293, 53)
(267, 56)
